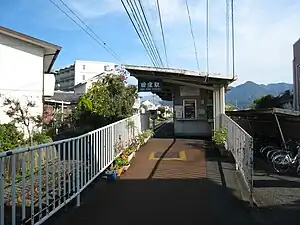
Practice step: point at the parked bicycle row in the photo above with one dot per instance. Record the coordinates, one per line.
(283, 157)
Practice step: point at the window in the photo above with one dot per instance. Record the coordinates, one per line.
(189, 108)
(83, 77)
(83, 67)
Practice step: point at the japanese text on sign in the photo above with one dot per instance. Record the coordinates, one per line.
(149, 86)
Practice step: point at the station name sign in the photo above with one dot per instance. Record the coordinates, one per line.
(149, 85)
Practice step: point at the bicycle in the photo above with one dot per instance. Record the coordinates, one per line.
(282, 163)
(289, 148)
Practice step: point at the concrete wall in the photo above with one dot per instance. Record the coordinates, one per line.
(193, 127)
(21, 71)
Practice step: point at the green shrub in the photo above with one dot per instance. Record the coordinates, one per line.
(220, 136)
(40, 138)
(10, 137)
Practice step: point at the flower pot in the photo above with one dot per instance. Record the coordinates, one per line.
(222, 150)
(146, 140)
(119, 172)
(111, 175)
(125, 168)
(131, 156)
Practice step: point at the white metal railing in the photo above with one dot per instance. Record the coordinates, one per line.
(37, 181)
(240, 143)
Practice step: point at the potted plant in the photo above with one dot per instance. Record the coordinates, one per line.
(130, 153)
(219, 140)
(121, 163)
(141, 138)
(148, 134)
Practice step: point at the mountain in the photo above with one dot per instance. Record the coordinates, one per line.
(156, 100)
(244, 94)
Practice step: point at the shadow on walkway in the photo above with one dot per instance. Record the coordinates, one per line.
(162, 192)
(149, 202)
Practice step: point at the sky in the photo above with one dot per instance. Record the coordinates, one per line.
(265, 31)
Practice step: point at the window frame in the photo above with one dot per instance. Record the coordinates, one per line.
(184, 103)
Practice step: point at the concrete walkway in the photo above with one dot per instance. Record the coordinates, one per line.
(183, 186)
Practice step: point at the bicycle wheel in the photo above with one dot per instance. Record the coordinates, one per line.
(264, 150)
(298, 170)
(276, 153)
(280, 164)
(270, 153)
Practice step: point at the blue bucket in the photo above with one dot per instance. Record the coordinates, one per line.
(111, 175)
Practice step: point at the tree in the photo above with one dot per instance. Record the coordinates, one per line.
(161, 109)
(269, 101)
(20, 114)
(109, 98)
(10, 137)
(229, 107)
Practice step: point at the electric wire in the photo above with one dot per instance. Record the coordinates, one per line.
(207, 40)
(149, 29)
(139, 35)
(227, 37)
(142, 31)
(95, 37)
(146, 33)
(162, 31)
(192, 33)
(232, 39)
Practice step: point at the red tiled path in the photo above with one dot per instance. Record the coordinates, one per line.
(154, 192)
(144, 168)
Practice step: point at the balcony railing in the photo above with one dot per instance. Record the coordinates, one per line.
(37, 181)
(240, 144)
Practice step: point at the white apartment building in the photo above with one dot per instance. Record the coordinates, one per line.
(25, 68)
(296, 75)
(81, 71)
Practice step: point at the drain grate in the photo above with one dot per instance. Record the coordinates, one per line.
(168, 156)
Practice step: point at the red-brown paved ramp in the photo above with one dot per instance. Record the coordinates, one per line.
(154, 192)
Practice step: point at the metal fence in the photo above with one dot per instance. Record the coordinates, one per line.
(240, 143)
(50, 175)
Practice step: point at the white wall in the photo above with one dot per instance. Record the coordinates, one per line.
(85, 70)
(21, 72)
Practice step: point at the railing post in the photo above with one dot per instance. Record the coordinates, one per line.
(113, 144)
(2, 190)
(77, 174)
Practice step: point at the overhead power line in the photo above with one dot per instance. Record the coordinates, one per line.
(192, 33)
(149, 28)
(139, 35)
(162, 31)
(86, 29)
(207, 39)
(140, 23)
(227, 37)
(232, 38)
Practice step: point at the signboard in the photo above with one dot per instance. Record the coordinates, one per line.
(189, 91)
(149, 85)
